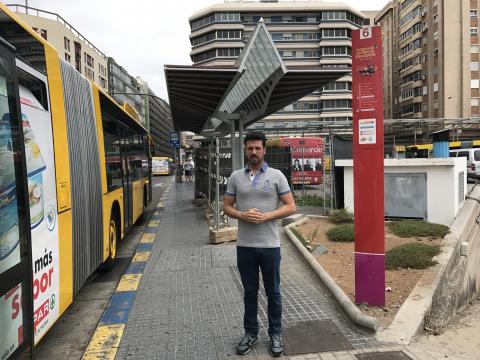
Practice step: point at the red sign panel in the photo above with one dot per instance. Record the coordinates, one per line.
(367, 88)
(307, 159)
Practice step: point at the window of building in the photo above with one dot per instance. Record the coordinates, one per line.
(435, 52)
(67, 57)
(474, 84)
(336, 51)
(474, 49)
(336, 33)
(66, 43)
(473, 31)
(474, 102)
(435, 87)
(473, 13)
(474, 66)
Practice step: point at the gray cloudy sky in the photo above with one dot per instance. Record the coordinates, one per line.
(142, 35)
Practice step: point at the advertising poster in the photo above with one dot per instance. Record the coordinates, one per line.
(11, 336)
(11, 332)
(37, 130)
(307, 159)
(9, 232)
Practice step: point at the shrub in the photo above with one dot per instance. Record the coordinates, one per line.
(341, 216)
(341, 233)
(413, 228)
(411, 256)
(311, 200)
(300, 237)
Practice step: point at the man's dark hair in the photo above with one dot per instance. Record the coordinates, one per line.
(255, 135)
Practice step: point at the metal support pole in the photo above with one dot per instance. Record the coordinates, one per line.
(240, 143)
(332, 174)
(209, 174)
(217, 183)
(324, 179)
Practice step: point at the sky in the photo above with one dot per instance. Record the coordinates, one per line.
(143, 35)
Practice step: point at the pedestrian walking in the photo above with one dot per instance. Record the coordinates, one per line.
(179, 171)
(253, 197)
(188, 167)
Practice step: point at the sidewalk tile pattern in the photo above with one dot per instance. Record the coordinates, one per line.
(107, 336)
(189, 304)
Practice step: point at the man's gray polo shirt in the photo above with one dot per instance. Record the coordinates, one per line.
(263, 193)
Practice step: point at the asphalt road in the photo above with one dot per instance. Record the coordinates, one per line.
(69, 337)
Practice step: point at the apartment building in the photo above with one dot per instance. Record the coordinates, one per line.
(314, 34)
(70, 43)
(437, 73)
(125, 88)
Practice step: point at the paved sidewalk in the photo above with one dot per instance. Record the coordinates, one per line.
(189, 302)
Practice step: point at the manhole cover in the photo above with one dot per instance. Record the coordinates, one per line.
(389, 355)
(314, 336)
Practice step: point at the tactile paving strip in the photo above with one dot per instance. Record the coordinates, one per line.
(388, 355)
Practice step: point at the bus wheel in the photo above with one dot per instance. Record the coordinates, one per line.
(112, 242)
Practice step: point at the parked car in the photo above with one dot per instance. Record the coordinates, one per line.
(473, 160)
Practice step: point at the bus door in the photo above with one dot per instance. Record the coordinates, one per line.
(16, 299)
(127, 176)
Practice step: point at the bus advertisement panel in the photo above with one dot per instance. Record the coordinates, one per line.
(37, 130)
(307, 159)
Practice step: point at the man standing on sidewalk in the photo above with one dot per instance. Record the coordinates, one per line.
(256, 192)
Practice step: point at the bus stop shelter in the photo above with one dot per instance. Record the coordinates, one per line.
(221, 100)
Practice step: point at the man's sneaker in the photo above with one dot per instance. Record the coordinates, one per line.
(276, 345)
(246, 344)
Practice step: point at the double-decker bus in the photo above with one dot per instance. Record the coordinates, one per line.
(307, 158)
(74, 176)
(162, 165)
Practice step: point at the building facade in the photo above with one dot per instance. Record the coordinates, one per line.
(160, 124)
(438, 56)
(70, 43)
(125, 88)
(314, 34)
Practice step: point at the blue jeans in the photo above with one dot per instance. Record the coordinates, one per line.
(249, 261)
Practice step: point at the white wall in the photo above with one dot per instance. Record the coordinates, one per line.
(442, 183)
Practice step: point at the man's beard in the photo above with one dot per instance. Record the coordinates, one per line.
(254, 160)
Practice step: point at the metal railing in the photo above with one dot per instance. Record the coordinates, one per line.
(22, 9)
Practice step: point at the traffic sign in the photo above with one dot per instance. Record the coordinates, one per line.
(174, 139)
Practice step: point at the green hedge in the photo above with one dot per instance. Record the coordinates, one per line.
(341, 233)
(413, 228)
(411, 256)
(341, 216)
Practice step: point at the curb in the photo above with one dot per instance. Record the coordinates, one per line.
(107, 336)
(352, 311)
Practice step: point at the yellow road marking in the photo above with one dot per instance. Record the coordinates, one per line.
(129, 282)
(147, 238)
(104, 343)
(141, 256)
(154, 223)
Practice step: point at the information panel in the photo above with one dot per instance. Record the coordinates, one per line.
(367, 88)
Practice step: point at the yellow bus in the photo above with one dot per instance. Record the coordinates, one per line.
(162, 165)
(74, 176)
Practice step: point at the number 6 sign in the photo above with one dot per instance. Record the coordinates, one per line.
(366, 33)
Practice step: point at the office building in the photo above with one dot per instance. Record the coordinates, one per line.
(70, 43)
(158, 121)
(437, 72)
(124, 88)
(313, 34)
